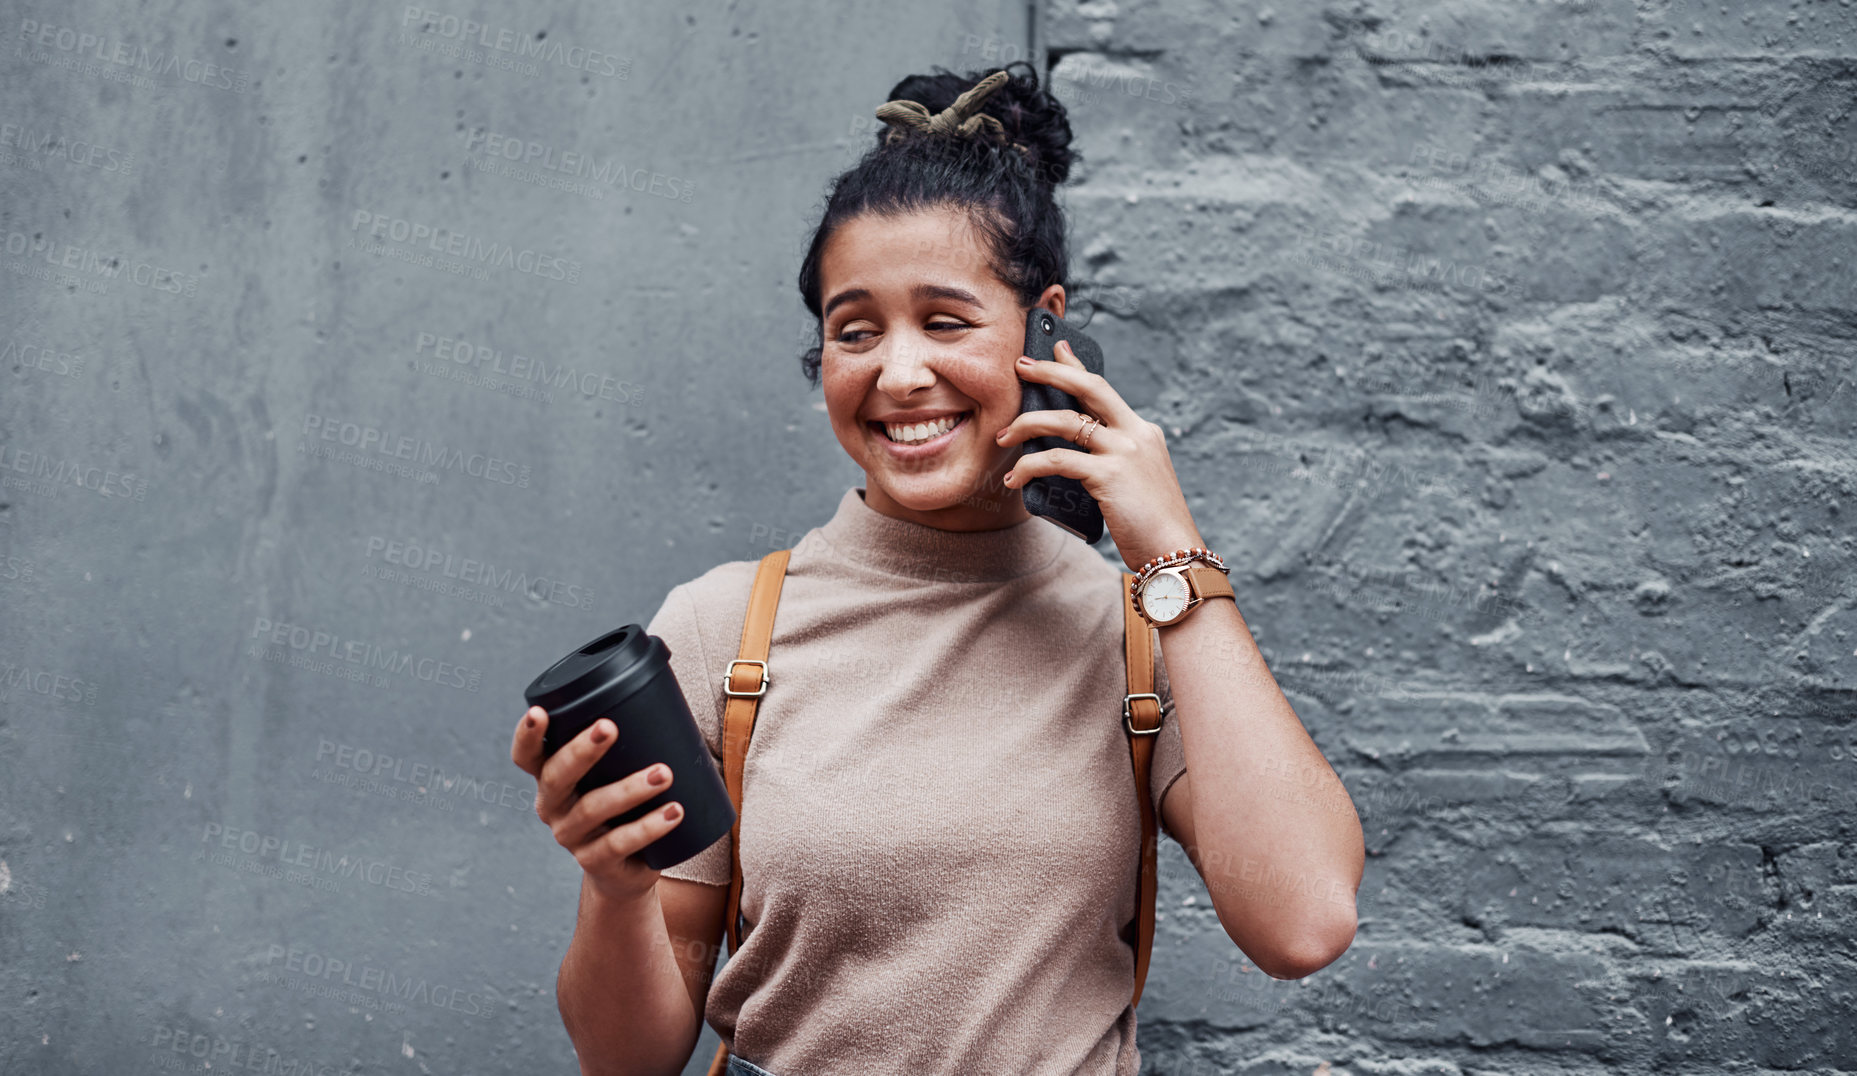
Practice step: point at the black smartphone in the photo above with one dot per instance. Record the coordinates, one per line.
(1059, 498)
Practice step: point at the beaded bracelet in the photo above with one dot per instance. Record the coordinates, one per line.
(1178, 556)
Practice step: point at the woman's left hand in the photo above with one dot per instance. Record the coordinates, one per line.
(1125, 467)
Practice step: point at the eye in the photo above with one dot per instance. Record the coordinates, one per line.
(854, 335)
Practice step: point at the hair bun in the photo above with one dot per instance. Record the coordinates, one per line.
(1028, 112)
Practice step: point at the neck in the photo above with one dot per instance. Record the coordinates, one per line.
(927, 552)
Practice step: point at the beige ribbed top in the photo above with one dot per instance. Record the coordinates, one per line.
(940, 842)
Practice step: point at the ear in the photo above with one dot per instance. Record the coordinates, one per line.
(1053, 299)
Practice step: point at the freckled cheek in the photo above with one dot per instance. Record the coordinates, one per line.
(999, 397)
(845, 389)
(987, 382)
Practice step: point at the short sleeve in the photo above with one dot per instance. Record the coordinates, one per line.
(676, 624)
(1169, 760)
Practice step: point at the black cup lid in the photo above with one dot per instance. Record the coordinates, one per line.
(615, 663)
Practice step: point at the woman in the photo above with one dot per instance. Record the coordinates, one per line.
(938, 854)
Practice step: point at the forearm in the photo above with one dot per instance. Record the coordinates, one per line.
(621, 995)
(1279, 843)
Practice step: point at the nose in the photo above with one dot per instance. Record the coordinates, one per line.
(905, 366)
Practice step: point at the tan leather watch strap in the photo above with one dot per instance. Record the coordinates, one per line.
(1141, 719)
(1207, 582)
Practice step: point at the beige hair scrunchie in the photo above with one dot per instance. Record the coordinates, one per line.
(962, 118)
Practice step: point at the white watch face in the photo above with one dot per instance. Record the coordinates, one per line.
(1164, 597)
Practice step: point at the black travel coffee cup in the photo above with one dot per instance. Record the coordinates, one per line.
(626, 676)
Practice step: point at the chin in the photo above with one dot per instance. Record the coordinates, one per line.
(922, 493)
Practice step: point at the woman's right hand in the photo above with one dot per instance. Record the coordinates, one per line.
(579, 822)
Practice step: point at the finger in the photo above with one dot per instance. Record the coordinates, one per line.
(554, 791)
(1066, 424)
(595, 808)
(606, 850)
(525, 747)
(1068, 462)
(1098, 397)
(1067, 355)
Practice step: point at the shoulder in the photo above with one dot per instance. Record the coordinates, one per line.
(700, 623)
(1081, 562)
(722, 581)
(717, 597)
(1085, 588)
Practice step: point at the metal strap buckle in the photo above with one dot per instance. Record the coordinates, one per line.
(730, 675)
(1126, 716)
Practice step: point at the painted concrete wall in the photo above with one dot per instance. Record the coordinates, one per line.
(271, 388)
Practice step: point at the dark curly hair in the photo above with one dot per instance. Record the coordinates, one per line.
(1009, 195)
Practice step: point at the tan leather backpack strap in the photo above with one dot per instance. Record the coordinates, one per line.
(1141, 719)
(745, 681)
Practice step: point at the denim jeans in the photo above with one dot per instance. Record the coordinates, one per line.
(738, 1067)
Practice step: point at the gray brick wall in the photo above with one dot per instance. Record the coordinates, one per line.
(1507, 349)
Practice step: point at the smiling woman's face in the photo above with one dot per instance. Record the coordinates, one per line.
(919, 330)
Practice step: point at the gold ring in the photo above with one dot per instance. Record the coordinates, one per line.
(1086, 430)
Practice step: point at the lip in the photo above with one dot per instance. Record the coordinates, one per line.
(926, 448)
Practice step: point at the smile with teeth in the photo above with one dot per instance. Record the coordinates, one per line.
(912, 433)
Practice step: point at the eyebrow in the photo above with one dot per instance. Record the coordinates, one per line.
(919, 292)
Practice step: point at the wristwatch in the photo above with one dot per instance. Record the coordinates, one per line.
(1170, 594)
